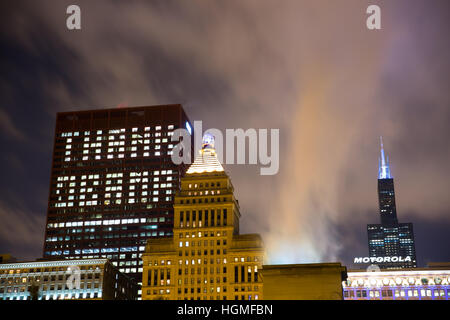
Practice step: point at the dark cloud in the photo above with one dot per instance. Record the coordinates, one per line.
(21, 230)
(8, 128)
(309, 68)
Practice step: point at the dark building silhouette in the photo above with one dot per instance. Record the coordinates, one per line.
(386, 200)
(390, 240)
(112, 183)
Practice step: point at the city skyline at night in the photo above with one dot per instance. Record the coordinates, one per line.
(311, 70)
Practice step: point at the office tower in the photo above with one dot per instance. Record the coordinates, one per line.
(112, 183)
(391, 240)
(90, 279)
(206, 259)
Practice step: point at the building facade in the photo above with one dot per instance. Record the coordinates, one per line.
(112, 183)
(431, 283)
(92, 279)
(6, 257)
(390, 238)
(207, 258)
(315, 281)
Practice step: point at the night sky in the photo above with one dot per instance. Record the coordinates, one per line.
(308, 67)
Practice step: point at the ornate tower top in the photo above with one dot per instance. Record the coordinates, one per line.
(206, 160)
(208, 141)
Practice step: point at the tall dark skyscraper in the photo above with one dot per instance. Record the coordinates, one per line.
(391, 242)
(112, 183)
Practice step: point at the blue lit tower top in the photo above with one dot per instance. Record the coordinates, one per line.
(384, 171)
(386, 194)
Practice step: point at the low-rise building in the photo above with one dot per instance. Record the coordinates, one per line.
(315, 281)
(7, 258)
(430, 283)
(95, 279)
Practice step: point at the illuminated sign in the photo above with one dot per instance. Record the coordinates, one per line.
(382, 259)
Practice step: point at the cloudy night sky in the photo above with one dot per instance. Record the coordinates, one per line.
(310, 68)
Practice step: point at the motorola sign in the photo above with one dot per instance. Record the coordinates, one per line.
(381, 259)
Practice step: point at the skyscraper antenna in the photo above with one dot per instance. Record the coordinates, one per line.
(384, 170)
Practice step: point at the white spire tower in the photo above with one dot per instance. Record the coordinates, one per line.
(384, 171)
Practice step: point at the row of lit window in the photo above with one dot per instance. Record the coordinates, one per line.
(396, 293)
(112, 139)
(199, 253)
(49, 296)
(129, 263)
(205, 200)
(107, 229)
(116, 175)
(199, 234)
(199, 279)
(243, 297)
(115, 131)
(398, 281)
(200, 193)
(101, 233)
(118, 181)
(131, 186)
(46, 278)
(115, 216)
(218, 269)
(205, 243)
(130, 270)
(95, 250)
(104, 222)
(107, 202)
(213, 288)
(195, 185)
(143, 186)
(83, 285)
(155, 281)
(120, 150)
(103, 236)
(205, 290)
(199, 261)
(119, 156)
